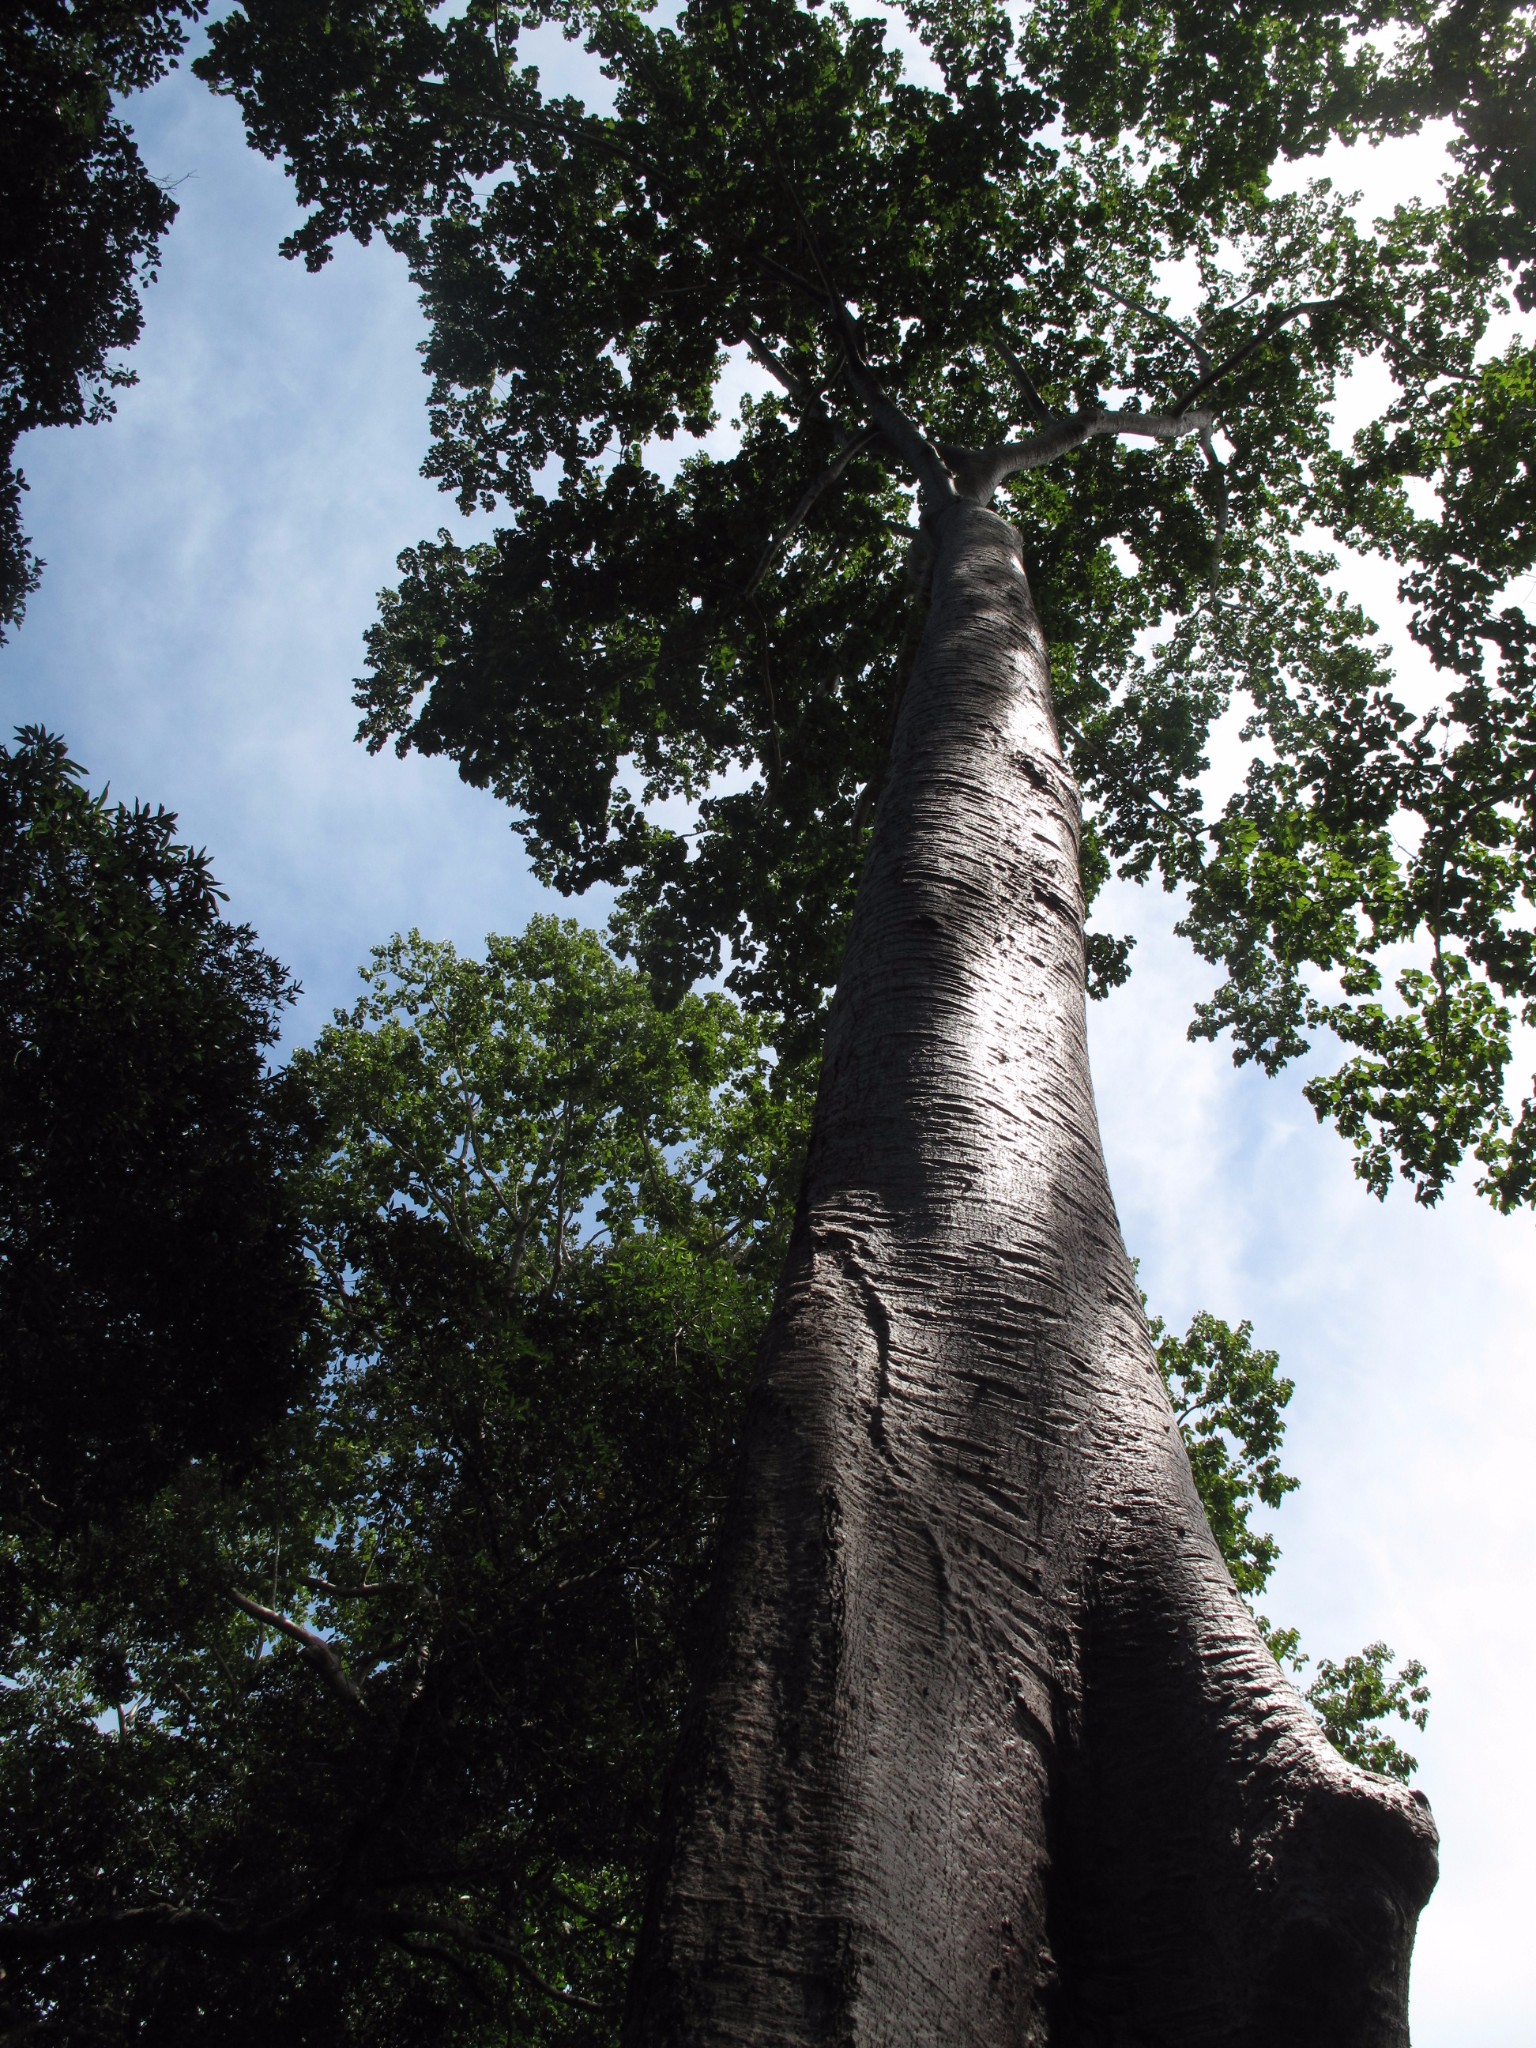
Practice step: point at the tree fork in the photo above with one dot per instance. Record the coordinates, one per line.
(986, 1748)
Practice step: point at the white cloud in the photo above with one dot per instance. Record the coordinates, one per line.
(213, 559)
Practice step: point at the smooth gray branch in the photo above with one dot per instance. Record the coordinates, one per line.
(981, 470)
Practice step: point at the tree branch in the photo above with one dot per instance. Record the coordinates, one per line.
(405, 1924)
(986, 468)
(761, 353)
(163, 1925)
(1218, 470)
(1201, 353)
(314, 1649)
(1266, 332)
(903, 434)
(1034, 404)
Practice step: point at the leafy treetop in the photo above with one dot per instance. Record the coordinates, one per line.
(1073, 259)
(154, 1296)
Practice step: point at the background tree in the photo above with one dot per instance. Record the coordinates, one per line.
(154, 1296)
(366, 1746)
(81, 220)
(1230, 1398)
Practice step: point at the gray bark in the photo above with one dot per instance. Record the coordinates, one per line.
(987, 1749)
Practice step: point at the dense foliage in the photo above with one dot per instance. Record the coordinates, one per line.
(153, 1292)
(1096, 226)
(81, 220)
(366, 1746)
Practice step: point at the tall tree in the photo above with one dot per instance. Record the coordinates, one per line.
(985, 1746)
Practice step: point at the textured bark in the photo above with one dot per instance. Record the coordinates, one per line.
(987, 1749)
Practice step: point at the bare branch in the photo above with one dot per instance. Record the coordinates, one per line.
(1266, 331)
(986, 468)
(335, 1592)
(315, 1650)
(905, 437)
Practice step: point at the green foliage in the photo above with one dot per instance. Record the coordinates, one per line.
(1229, 1399)
(153, 1294)
(723, 633)
(366, 1748)
(1354, 1698)
(80, 224)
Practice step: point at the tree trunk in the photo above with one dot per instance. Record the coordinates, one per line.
(987, 1749)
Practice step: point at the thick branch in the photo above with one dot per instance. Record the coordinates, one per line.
(934, 481)
(315, 1650)
(983, 469)
(1254, 343)
(904, 435)
(781, 373)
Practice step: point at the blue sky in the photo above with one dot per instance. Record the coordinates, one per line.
(213, 559)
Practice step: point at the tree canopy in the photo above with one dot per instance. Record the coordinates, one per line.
(1094, 232)
(368, 1740)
